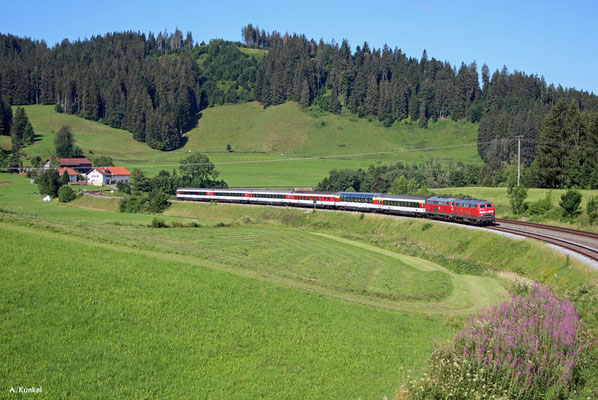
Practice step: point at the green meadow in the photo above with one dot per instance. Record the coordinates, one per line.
(246, 302)
(252, 302)
(277, 146)
(84, 320)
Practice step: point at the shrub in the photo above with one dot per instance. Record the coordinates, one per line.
(527, 348)
(570, 202)
(123, 187)
(49, 182)
(154, 202)
(541, 207)
(66, 194)
(64, 178)
(158, 223)
(517, 196)
(592, 209)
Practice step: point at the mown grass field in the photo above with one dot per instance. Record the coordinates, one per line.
(257, 302)
(104, 323)
(104, 306)
(280, 145)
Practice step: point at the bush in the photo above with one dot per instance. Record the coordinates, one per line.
(517, 196)
(541, 207)
(154, 202)
(123, 187)
(592, 209)
(570, 202)
(66, 194)
(158, 223)
(49, 182)
(528, 348)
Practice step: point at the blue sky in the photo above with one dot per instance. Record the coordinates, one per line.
(555, 39)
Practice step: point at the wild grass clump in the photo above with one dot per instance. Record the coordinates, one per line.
(527, 348)
(158, 223)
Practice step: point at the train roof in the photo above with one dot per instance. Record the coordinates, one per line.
(359, 195)
(441, 199)
(302, 193)
(456, 200)
(402, 197)
(472, 201)
(214, 189)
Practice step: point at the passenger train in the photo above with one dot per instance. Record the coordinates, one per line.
(471, 211)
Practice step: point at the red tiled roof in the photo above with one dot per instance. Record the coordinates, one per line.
(108, 171)
(103, 171)
(118, 171)
(70, 171)
(73, 161)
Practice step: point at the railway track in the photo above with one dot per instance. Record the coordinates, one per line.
(552, 228)
(587, 251)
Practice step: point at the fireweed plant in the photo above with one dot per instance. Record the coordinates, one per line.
(526, 348)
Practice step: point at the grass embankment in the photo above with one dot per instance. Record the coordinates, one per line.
(112, 308)
(455, 247)
(97, 302)
(276, 143)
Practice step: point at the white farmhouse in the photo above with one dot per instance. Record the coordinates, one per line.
(108, 175)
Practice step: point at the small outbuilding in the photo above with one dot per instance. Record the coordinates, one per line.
(79, 164)
(71, 173)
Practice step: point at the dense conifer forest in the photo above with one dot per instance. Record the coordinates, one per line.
(155, 86)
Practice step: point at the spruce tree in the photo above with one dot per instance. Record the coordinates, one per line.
(28, 134)
(5, 118)
(19, 124)
(559, 150)
(64, 143)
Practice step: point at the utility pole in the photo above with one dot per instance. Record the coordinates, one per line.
(518, 159)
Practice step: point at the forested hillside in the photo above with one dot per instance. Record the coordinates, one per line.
(155, 86)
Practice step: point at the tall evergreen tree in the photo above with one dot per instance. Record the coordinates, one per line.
(64, 143)
(5, 118)
(19, 124)
(558, 159)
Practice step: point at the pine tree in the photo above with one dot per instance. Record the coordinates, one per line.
(28, 134)
(5, 118)
(19, 124)
(557, 163)
(333, 104)
(372, 95)
(64, 142)
(305, 100)
(423, 114)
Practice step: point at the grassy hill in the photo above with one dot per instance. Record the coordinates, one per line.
(280, 145)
